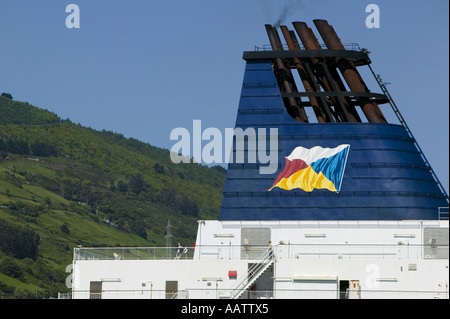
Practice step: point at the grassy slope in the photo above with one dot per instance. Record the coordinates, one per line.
(98, 161)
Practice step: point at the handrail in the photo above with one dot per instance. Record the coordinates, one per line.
(287, 250)
(347, 46)
(253, 273)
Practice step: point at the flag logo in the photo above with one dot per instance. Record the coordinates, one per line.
(307, 169)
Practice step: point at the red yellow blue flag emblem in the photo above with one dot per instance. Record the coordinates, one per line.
(318, 167)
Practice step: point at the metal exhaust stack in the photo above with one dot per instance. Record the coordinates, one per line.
(348, 70)
(322, 112)
(287, 80)
(329, 79)
(329, 76)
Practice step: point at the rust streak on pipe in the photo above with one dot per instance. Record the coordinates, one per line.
(348, 70)
(303, 74)
(351, 108)
(294, 40)
(310, 42)
(287, 80)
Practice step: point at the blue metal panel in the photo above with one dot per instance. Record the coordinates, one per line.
(385, 176)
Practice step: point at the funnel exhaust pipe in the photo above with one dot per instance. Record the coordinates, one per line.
(348, 70)
(329, 79)
(293, 45)
(287, 80)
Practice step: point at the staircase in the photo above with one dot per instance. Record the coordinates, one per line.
(254, 272)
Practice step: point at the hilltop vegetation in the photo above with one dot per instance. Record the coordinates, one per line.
(62, 185)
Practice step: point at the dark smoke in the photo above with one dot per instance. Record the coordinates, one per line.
(287, 9)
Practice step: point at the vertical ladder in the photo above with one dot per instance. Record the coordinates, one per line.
(254, 272)
(403, 123)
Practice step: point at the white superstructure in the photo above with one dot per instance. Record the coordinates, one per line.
(312, 259)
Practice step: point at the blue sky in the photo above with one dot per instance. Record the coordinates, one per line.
(144, 67)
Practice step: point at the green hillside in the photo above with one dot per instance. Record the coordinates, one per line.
(63, 185)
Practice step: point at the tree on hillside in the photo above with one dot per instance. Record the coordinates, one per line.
(43, 149)
(18, 242)
(7, 95)
(138, 227)
(122, 186)
(188, 206)
(159, 168)
(137, 183)
(167, 195)
(10, 268)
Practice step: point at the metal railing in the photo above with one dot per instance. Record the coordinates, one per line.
(402, 250)
(254, 272)
(347, 46)
(132, 253)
